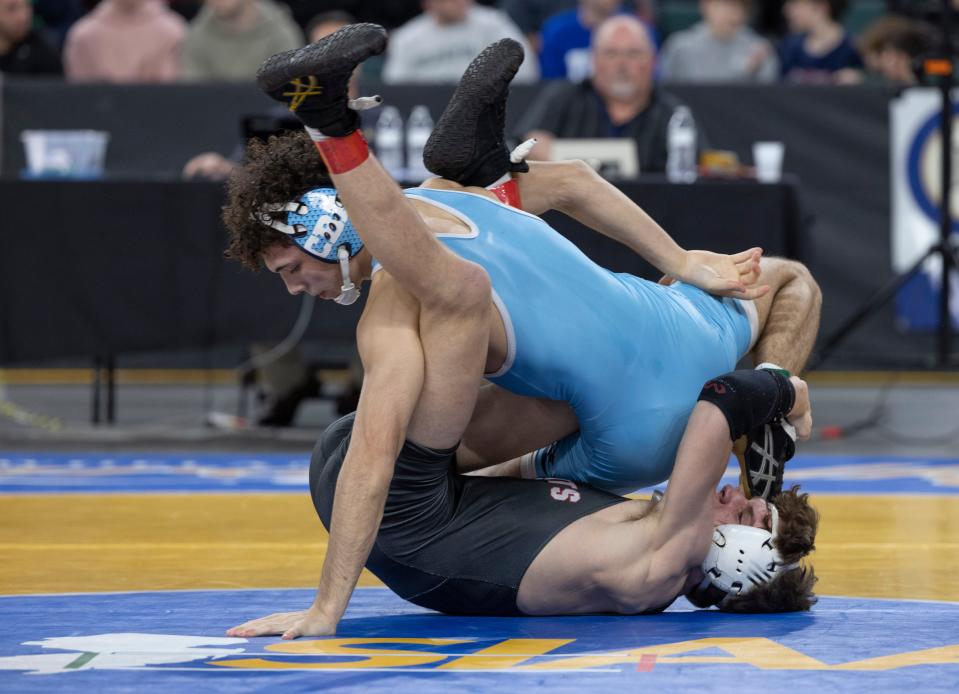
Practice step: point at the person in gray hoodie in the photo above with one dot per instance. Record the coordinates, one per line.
(229, 39)
(721, 48)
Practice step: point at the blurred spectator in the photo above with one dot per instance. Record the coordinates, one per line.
(214, 166)
(229, 39)
(721, 48)
(819, 50)
(531, 15)
(390, 14)
(620, 100)
(55, 17)
(125, 41)
(928, 11)
(22, 49)
(438, 45)
(188, 9)
(891, 46)
(566, 38)
(325, 23)
(770, 20)
(646, 11)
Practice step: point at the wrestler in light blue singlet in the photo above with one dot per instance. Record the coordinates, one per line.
(630, 356)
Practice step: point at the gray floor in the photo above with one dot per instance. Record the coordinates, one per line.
(147, 418)
(912, 420)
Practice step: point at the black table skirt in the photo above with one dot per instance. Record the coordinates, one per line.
(112, 267)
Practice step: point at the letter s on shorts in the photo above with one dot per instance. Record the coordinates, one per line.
(561, 494)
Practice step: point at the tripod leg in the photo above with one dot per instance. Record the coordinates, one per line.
(952, 253)
(97, 386)
(874, 303)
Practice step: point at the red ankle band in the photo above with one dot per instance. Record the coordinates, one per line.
(508, 192)
(343, 154)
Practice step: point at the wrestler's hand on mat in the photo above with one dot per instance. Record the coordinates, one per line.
(800, 416)
(290, 624)
(724, 275)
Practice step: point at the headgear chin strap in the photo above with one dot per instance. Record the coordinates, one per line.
(742, 558)
(349, 292)
(319, 224)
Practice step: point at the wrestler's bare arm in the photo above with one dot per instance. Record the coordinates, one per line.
(392, 357)
(393, 360)
(682, 531)
(575, 189)
(681, 535)
(617, 560)
(571, 187)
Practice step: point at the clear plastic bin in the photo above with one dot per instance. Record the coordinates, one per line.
(65, 153)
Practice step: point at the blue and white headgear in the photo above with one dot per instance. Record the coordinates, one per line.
(319, 224)
(742, 558)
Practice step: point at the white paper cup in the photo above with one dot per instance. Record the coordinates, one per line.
(768, 158)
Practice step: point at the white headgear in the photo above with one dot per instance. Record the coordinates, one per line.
(741, 558)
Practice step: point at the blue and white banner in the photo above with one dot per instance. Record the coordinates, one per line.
(916, 134)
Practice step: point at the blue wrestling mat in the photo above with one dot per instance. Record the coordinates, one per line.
(174, 641)
(200, 472)
(48, 472)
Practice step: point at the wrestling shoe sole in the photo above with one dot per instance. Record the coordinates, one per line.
(453, 146)
(763, 462)
(335, 55)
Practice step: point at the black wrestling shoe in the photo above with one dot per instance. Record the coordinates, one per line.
(313, 81)
(764, 452)
(468, 144)
(768, 448)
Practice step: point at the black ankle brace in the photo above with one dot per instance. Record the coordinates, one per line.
(750, 398)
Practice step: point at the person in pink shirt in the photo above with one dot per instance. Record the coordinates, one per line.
(125, 41)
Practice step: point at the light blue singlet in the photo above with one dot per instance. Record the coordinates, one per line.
(628, 355)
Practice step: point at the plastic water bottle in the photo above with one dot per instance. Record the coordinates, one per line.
(389, 141)
(681, 147)
(418, 128)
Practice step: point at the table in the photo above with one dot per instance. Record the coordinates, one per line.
(100, 268)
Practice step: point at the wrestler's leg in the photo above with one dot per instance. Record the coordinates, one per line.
(454, 297)
(505, 426)
(313, 82)
(453, 294)
(447, 184)
(788, 314)
(454, 331)
(549, 185)
(468, 144)
(396, 234)
(788, 324)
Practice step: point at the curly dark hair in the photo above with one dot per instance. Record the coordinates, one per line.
(791, 591)
(897, 33)
(273, 172)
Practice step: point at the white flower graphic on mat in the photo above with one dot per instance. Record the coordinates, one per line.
(118, 652)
